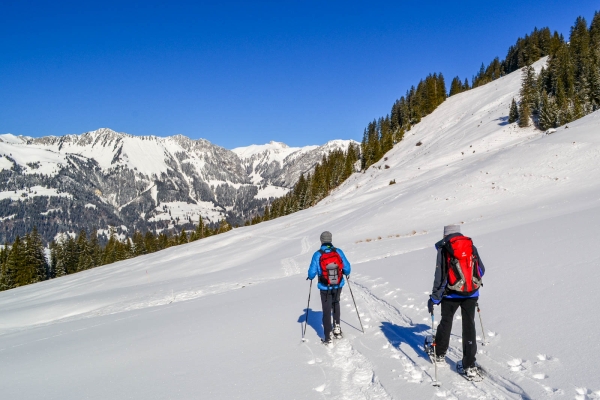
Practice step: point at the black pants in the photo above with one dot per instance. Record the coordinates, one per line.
(442, 337)
(330, 301)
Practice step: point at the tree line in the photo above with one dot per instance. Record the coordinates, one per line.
(568, 88)
(24, 261)
(382, 134)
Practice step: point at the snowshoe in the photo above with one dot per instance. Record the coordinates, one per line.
(473, 374)
(337, 332)
(329, 341)
(439, 359)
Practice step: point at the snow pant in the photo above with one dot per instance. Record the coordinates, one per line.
(330, 301)
(442, 337)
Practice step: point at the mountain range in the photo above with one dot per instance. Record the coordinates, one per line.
(105, 179)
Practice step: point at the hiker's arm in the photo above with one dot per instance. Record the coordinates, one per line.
(314, 266)
(347, 267)
(439, 281)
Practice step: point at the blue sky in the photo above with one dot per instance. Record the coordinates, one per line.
(238, 73)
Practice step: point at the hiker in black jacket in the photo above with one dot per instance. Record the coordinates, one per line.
(458, 274)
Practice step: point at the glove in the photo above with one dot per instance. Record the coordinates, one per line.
(308, 279)
(430, 306)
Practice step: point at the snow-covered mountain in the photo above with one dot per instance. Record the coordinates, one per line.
(222, 318)
(104, 178)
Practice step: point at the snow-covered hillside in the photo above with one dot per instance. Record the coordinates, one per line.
(144, 181)
(221, 318)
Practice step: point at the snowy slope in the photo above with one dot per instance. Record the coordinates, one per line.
(221, 318)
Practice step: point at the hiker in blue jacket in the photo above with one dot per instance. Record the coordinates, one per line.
(331, 281)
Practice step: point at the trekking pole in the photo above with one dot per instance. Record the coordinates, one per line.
(350, 287)
(435, 382)
(481, 322)
(306, 315)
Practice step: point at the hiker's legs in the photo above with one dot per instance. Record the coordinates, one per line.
(444, 329)
(336, 306)
(469, 335)
(326, 303)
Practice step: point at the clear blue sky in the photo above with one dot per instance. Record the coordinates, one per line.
(238, 73)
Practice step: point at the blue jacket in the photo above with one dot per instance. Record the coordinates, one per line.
(315, 268)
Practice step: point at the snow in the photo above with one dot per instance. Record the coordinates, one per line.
(222, 317)
(90, 205)
(48, 161)
(33, 191)
(5, 163)
(7, 217)
(51, 211)
(10, 138)
(278, 147)
(271, 191)
(184, 211)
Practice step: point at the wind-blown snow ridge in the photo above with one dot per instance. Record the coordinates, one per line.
(223, 317)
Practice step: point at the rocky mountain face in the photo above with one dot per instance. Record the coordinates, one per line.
(104, 179)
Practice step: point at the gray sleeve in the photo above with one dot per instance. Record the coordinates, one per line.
(439, 282)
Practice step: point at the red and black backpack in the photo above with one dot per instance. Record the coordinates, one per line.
(462, 266)
(331, 267)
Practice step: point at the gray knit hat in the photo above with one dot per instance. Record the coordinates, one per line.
(326, 237)
(449, 229)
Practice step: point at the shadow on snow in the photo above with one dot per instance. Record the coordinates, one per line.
(413, 335)
(315, 321)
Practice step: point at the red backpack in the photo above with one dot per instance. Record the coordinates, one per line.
(331, 267)
(463, 268)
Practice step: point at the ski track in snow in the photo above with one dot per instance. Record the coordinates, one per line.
(352, 373)
(289, 265)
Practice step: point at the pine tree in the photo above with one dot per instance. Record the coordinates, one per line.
(466, 85)
(36, 255)
(95, 250)
(456, 86)
(528, 93)
(200, 228)
(183, 239)
(18, 273)
(85, 259)
(57, 257)
(513, 115)
(224, 226)
(109, 253)
(595, 88)
(548, 117)
(10, 265)
(71, 255)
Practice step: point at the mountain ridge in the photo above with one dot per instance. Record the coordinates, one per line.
(141, 182)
